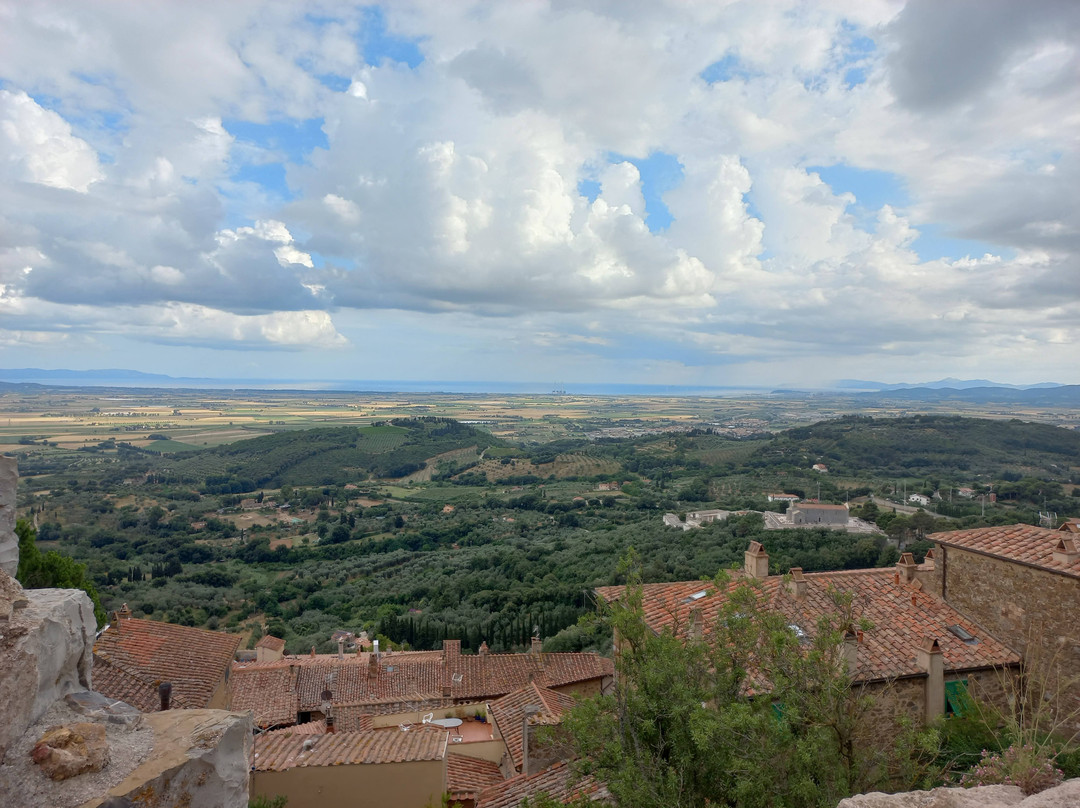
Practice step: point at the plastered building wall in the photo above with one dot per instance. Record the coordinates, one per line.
(415, 784)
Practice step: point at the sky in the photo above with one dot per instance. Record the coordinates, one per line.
(675, 193)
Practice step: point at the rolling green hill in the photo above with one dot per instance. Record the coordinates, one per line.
(323, 456)
(927, 444)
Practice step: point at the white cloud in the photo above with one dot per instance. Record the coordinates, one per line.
(40, 147)
(454, 187)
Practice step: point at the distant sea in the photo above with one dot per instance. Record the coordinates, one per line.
(137, 379)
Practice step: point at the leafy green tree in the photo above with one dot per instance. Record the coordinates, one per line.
(747, 712)
(52, 570)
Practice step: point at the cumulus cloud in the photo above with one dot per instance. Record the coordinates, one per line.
(41, 148)
(503, 181)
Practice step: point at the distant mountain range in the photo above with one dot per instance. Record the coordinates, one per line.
(1067, 395)
(970, 390)
(941, 384)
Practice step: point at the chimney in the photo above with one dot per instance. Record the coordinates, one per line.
(531, 710)
(483, 649)
(164, 691)
(797, 584)
(850, 651)
(326, 704)
(906, 567)
(1067, 551)
(123, 613)
(341, 648)
(931, 660)
(375, 648)
(373, 666)
(756, 561)
(451, 663)
(695, 623)
(536, 645)
(928, 561)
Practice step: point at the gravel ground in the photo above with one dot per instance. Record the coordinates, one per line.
(24, 785)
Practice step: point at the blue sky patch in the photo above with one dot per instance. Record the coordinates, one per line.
(728, 68)
(933, 243)
(871, 188)
(294, 138)
(854, 76)
(660, 172)
(378, 44)
(270, 176)
(590, 189)
(332, 81)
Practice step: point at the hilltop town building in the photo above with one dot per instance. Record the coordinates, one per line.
(920, 655)
(815, 514)
(1022, 583)
(132, 657)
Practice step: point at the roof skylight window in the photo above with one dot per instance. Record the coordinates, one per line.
(963, 634)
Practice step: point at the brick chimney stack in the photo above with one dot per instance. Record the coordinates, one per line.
(756, 561)
(1067, 551)
(797, 584)
(536, 645)
(906, 566)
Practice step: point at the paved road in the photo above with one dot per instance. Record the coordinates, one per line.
(893, 506)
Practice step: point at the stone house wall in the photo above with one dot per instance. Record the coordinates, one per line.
(1029, 609)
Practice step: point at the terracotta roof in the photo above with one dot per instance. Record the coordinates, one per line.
(1024, 543)
(509, 714)
(559, 782)
(307, 728)
(121, 684)
(271, 643)
(193, 660)
(466, 777)
(469, 677)
(267, 690)
(403, 682)
(350, 718)
(903, 617)
(278, 751)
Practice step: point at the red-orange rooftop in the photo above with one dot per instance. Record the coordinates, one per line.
(559, 782)
(466, 776)
(278, 751)
(903, 616)
(1026, 544)
(193, 660)
(509, 714)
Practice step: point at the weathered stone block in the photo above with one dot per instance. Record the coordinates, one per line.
(200, 759)
(1066, 795)
(45, 653)
(9, 542)
(69, 751)
(102, 708)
